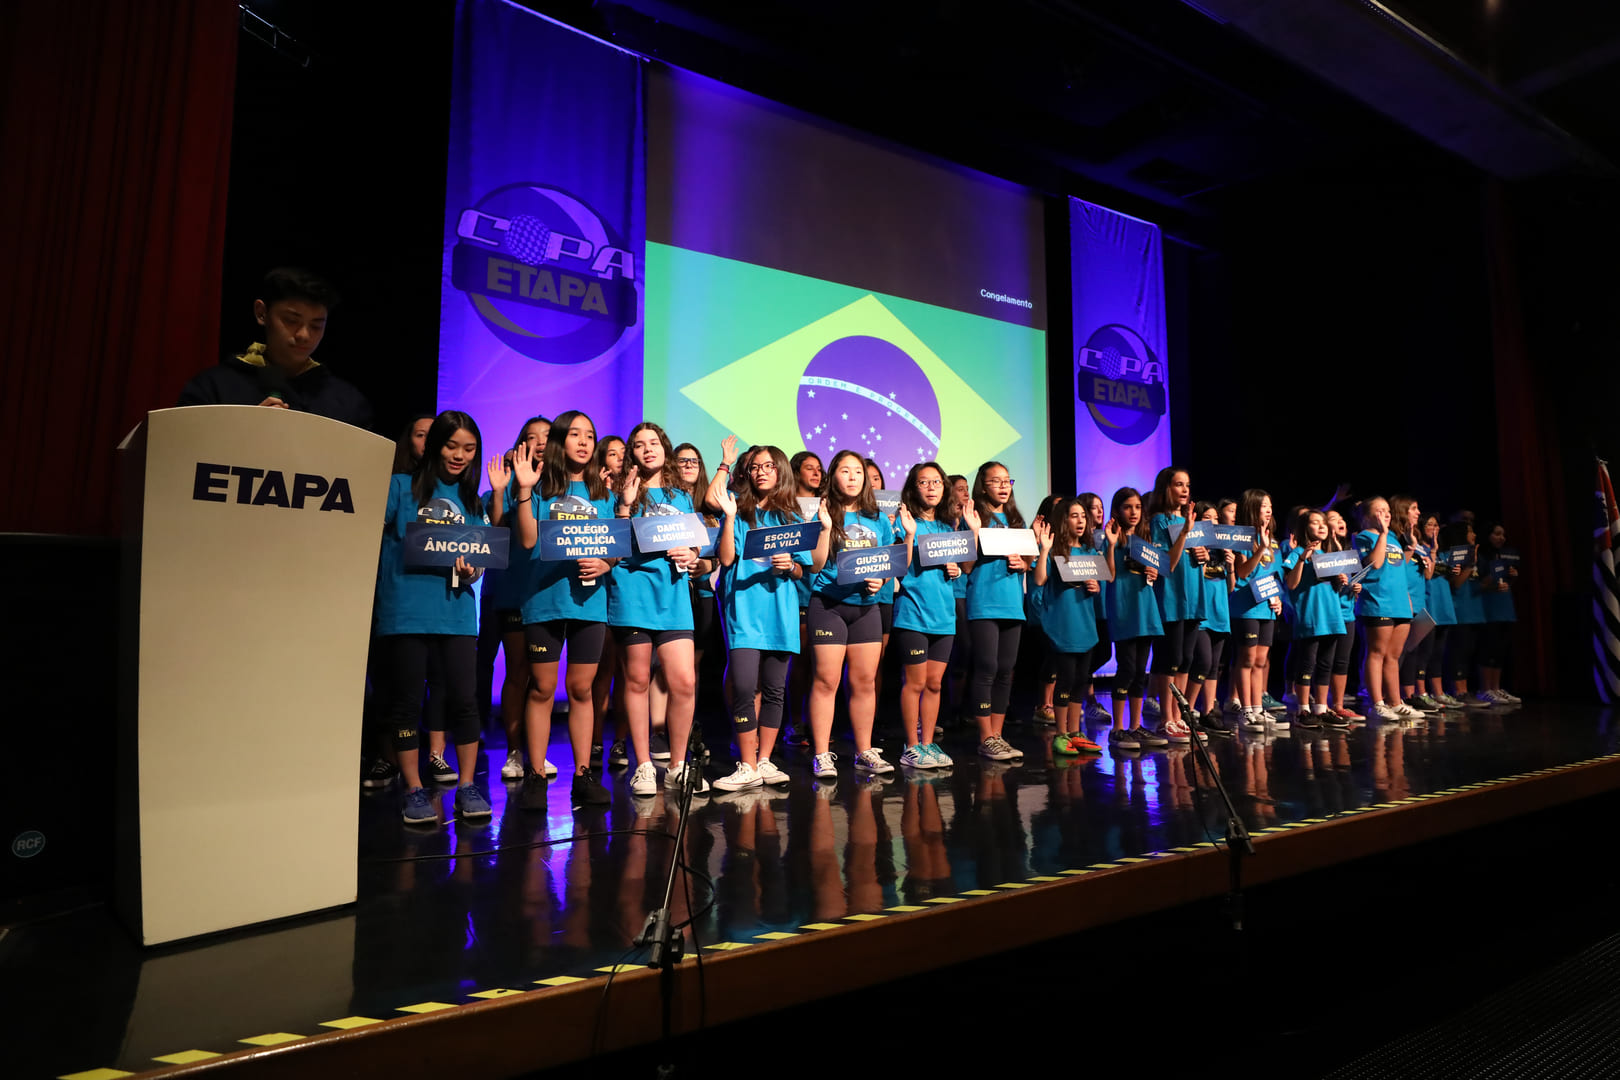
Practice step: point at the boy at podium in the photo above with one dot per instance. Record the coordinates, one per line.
(281, 372)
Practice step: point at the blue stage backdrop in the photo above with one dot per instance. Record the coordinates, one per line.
(544, 227)
(1121, 421)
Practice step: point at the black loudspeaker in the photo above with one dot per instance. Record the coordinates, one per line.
(61, 661)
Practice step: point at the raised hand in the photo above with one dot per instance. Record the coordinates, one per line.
(525, 472)
(908, 523)
(823, 515)
(631, 487)
(1043, 534)
(728, 450)
(727, 502)
(970, 517)
(500, 473)
(1111, 530)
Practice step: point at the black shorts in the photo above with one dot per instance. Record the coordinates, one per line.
(544, 641)
(916, 647)
(1381, 620)
(844, 624)
(1254, 632)
(886, 617)
(635, 635)
(510, 620)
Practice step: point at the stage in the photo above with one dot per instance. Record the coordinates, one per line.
(481, 932)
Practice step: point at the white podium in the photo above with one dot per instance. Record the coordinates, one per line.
(250, 550)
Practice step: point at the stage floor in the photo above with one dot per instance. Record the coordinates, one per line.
(459, 914)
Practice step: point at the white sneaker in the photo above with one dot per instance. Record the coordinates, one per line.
(1234, 707)
(1406, 712)
(513, 769)
(823, 766)
(1254, 720)
(1018, 755)
(871, 760)
(676, 774)
(1511, 699)
(644, 781)
(550, 769)
(768, 773)
(996, 749)
(1483, 699)
(743, 776)
(1381, 711)
(917, 757)
(1281, 723)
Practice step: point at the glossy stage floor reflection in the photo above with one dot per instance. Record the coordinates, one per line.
(458, 911)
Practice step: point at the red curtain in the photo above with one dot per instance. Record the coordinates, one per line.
(115, 124)
(1530, 465)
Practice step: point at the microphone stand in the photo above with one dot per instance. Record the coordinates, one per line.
(663, 940)
(1238, 843)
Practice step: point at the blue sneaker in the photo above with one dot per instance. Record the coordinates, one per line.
(942, 760)
(470, 803)
(917, 757)
(419, 808)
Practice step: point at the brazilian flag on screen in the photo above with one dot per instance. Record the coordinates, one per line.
(774, 357)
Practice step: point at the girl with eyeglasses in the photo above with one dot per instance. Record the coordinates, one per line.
(925, 617)
(995, 608)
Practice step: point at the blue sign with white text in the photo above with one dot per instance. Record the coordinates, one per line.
(857, 564)
(781, 539)
(1078, 568)
(584, 538)
(937, 549)
(661, 532)
(442, 545)
(1147, 554)
(1257, 591)
(1332, 563)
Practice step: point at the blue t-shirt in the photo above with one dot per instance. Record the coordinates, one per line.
(1497, 604)
(760, 606)
(1271, 562)
(505, 588)
(1383, 591)
(1178, 590)
(648, 592)
(1467, 600)
(1133, 609)
(993, 591)
(927, 598)
(1438, 599)
(419, 599)
(860, 531)
(1217, 615)
(1417, 586)
(1317, 612)
(554, 590)
(1067, 612)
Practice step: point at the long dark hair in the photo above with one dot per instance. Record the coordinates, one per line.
(599, 459)
(426, 475)
(782, 500)
(865, 501)
(405, 458)
(1248, 509)
(1159, 501)
(911, 494)
(798, 460)
(669, 477)
(554, 463)
(698, 488)
(1063, 535)
(1142, 528)
(981, 497)
(1302, 524)
(1400, 513)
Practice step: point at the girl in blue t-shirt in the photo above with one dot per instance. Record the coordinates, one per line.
(1255, 624)
(962, 647)
(760, 599)
(1179, 592)
(563, 603)
(1496, 588)
(1133, 619)
(429, 611)
(502, 597)
(1092, 710)
(608, 687)
(1318, 621)
(807, 477)
(1438, 600)
(1214, 623)
(650, 609)
(1384, 612)
(995, 608)
(925, 617)
(885, 599)
(1469, 605)
(844, 621)
(1335, 662)
(1068, 615)
(1419, 560)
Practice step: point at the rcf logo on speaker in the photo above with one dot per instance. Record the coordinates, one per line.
(28, 844)
(1121, 384)
(546, 274)
(268, 487)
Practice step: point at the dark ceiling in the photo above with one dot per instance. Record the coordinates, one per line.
(1161, 107)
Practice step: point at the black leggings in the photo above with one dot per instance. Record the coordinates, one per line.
(1173, 653)
(1208, 645)
(1305, 659)
(1416, 664)
(406, 663)
(1104, 647)
(1460, 648)
(995, 652)
(1071, 670)
(1493, 644)
(1333, 657)
(1131, 666)
(766, 672)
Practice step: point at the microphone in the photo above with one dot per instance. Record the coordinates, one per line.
(273, 381)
